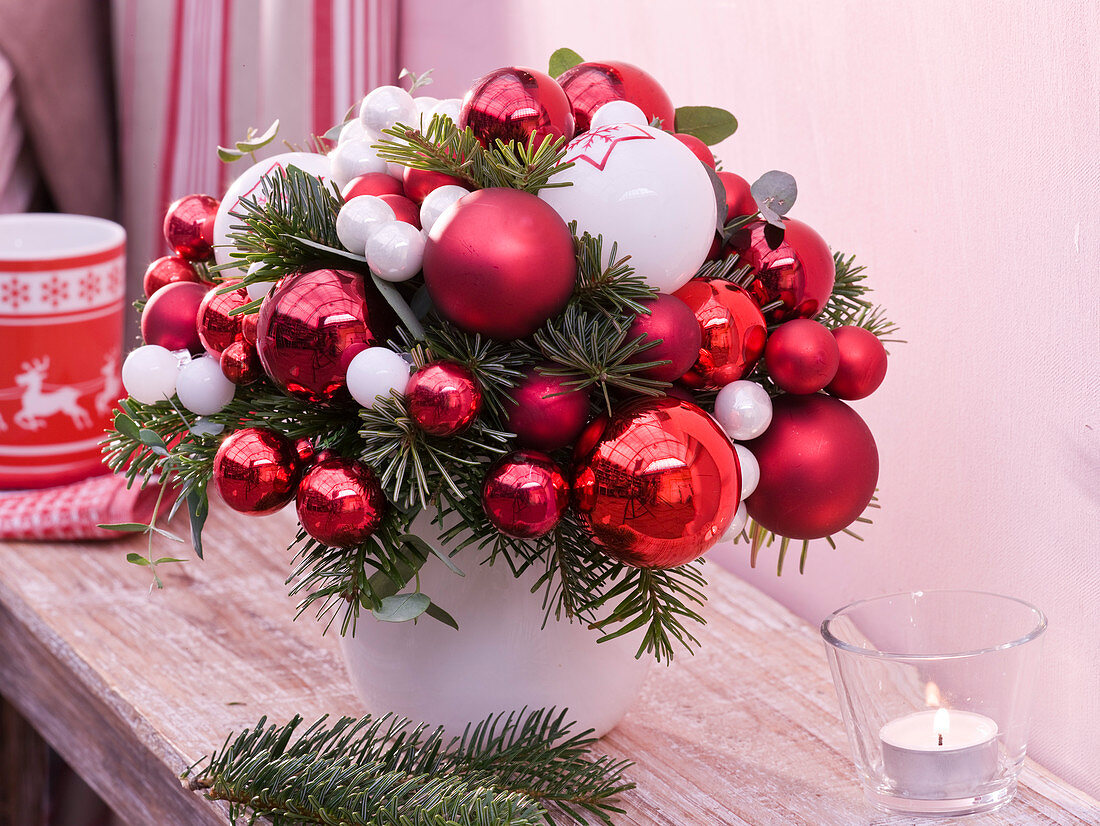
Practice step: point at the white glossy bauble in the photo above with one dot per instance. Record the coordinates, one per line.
(395, 170)
(750, 471)
(352, 159)
(202, 386)
(259, 289)
(744, 409)
(449, 107)
(641, 188)
(618, 111)
(354, 131)
(358, 218)
(387, 106)
(737, 525)
(149, 374)
(375, 372)
(395, 251)
(424, 107)
(437, 201)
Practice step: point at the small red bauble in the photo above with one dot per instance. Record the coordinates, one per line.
(304, 448)
(818, 467)
(544, 413)
(591, 85)
(801, 356)
(800, 272)
(500, 262)
(862, 365)
(420, 182)
(444, 398)
(217, 328)
(256, 471)
(189, 226)
(525, 494)
(516, 104)
(340, 502)
(733, 332)
(312, 325)
(698, 148)
(170, 319)
(240, 363)
(403, 209)
(659, 485)
(739, 200)
(170, 269)
(373, 183)
(249, 324)
(674, 323)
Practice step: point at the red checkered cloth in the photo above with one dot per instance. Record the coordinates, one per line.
(73, 511)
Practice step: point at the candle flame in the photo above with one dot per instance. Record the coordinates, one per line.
(932, 695)
(941, 723)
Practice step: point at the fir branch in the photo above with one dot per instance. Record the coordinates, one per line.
(849, 305)
(497, 367)
(609, 288)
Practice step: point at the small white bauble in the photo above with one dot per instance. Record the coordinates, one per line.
(437, 201)
(387, 106)
(358, 218)
(395, 251)
(205, 427)
(375, 372)
(149, 374)
(744, 409)
(424, 107)
(641, 188)
(448, 107)
(354, 131)
(248, 184)
(618, 111)
(738, 524)
(352, 159)
(750, 471)
(202, 386)
(259, 289)
(395, 170)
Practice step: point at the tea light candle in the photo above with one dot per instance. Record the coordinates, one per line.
(940, 754)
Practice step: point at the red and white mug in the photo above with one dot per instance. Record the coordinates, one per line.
(62, 300)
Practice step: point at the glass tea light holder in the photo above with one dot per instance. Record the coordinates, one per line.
(935, 690)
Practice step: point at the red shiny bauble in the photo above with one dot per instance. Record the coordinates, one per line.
(544, 412)
(500, 262)
(697, 147)
(256, 470)
(516, 104)
(217, 328)
(403, 209)
(674, 323)
(591, 85)
(739, 200)
(189, 226)
(340, 502)
(240, 363)
(800, 272)
(420, 182)
(249, 324)
(818, 467)
(525, 494)
(373, 183)
(801, 356)
(862, 363)
(444, 398)
(304, 448)
(170, 269)
(170, 319)
(659, 485)
(312, 325)
(733, 332)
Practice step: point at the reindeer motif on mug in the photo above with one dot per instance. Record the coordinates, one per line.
(39, 405)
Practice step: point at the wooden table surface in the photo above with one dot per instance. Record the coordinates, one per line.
(132, 687)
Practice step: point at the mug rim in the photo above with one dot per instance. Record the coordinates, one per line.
(111, 241)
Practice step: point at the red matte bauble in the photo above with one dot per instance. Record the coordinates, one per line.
(373, 183)
(444, 398)
(800, 272)
(674, 323)
(403, 209)
(419, 183)
(217, 328)
(733, 332)
(240, 363)
(544, 413)
(591, 85)
(801, 356)
(525, 494)
(862, 363)
(739, 200)
(340, 502)
(170, 319)
(697, 147)
(170, 269)
(659, 485)
(500, 262)
(516, 104)
(256, 471)
(189, 226)
(312, 325)
(818, 467)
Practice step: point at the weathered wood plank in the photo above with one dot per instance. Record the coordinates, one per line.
(24, 771)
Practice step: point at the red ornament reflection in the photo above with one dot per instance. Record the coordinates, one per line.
(525, 494)
(515, 104)
(444, 398)
(256, 471)
(340, 502)
(189, 226)
(734, 335)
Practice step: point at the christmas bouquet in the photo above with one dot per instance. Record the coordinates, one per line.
(542, 319)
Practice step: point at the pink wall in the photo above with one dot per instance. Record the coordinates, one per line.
(954, 147)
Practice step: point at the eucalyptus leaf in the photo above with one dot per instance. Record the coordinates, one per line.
(124, 527)
(340, 253)
(775, 193)
(709, 124)
(437, 613)
(562, 60)
(165, 559)
(425, 548)
(198, 506)
(719, 198)
(403, 310)
(127, 427)
(229, 155)
(166, 534)
(251, 144)
(150, 438)
(773, 234)
(137, 559)
(402, 607)
(333, 133)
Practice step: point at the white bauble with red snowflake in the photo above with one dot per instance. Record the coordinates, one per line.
(640, 187)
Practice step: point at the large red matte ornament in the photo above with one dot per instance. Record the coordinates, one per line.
(444, 398)
(800, 272)
(373, 183)
(516, 104)
(169, 269)
(862, 363)
(419, 183)
(189, 226)
(403, 209)
(256, 471)
(340, 502)
(544, 413)
(500, 262)
(525, 494)
(312, 325)
(699, 149)
(739, 200)
(801, 356)
(656, 485)
(217, 328)
(674, 323)
(733, 332)
(170, 319)
(591, 85)
(818, 467)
